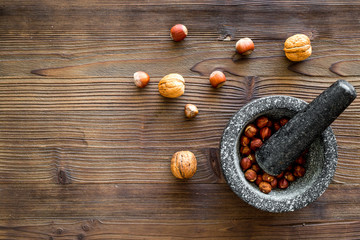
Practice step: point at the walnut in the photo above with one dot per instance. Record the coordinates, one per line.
(172, 85)
(297, 47)
(183, 164)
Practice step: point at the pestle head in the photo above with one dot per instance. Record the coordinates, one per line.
(282, 148)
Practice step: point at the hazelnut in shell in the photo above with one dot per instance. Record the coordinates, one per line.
(178, 32)
(172, 85)
(217, 79)
(250, 131)
(191, 110)
(183, 164)
(141, 79)
(245, 46)
(297, 47)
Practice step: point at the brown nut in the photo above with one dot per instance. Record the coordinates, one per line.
(252, 158)
(300, 160)
(255, 144)
(245, 163)
(172, 85)
(183, 164)
(250, 131)
(244, 140)
(283, 121)
(265, 133)
(245, 46)
(191, 110)
(265, 187)
(289, 176)
(276, 126)
(267, 177)
(299, 171)
(280, 175)
(270, 123)
(245, 150)
(297, 47)
(262, 121)
(217, 79)
(273, 183)
(141, 79)
(178, 32)
(256, 168)
(283, 183)
(258, 179)
(251, 175)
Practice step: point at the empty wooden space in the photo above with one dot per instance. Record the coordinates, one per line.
(84, 154)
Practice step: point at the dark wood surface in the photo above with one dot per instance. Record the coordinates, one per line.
(84, 154)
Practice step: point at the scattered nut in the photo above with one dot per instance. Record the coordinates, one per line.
(245, 150)
(245, 163)
(280, 175)
(276, 126)
(265, 187)
(265, 133)
(255, 144)
(172, 85)
(273, 183)
(299, 171)
(217, 79)
(250, 175)
(283, 121)
(178, 32)
(252, 158)
(297, 47)
(283, 183)
(141, 79)
(289, 176)
(258, 179)
(183, 164)
(267, 177)
(244, 140)
(250, 131)
(256, 168)
(245, 46)
(262, 122)
(191, 110)
(300, 160)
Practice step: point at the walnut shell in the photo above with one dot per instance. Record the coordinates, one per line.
(172, 85)
(297, 47)
(183, 164)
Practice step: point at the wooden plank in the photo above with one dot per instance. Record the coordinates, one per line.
(163, 211)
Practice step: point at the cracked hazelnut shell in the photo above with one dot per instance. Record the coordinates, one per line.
(183, 164)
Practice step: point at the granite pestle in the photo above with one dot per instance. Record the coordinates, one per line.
(287, 144)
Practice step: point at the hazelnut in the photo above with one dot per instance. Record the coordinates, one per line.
(258, 179)
(250, 175)
(244, 140)
(141, 79)
(267, 177)
(191, 110)
(250, 131)
(283, 183)
(256, 168)
(269, 124)
(299, 171)
(289, 176)
(297, 47)
(300, 160)
(283, 121)
(252, 158)
(178, 32)
(172, 85)
(217, 79)
(262, 121)
(245, 46)
(265, 133)
(276, 126)
(245, 163)
(265, 187)
(255, 144)
(245, 150)
(273, 183)
(183, 164)
(280, 175)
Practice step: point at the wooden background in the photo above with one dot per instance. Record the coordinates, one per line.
(84, 154)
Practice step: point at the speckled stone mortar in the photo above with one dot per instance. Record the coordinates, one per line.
(320, 165)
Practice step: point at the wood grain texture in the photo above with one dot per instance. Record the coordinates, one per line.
(84, 154)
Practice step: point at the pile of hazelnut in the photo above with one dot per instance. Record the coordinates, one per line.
(252, 139)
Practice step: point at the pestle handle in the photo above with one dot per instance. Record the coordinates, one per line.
(282, 148)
